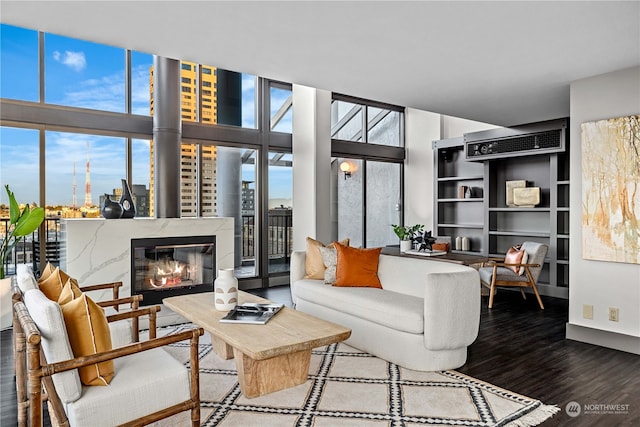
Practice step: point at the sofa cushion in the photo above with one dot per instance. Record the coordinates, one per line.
(135, 390)
(55, 343)
(503, 273)
(313, 263)
(89, 334)
(357, 267)
(394, 310)
(24, 277)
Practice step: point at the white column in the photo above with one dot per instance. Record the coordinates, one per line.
(311, 165)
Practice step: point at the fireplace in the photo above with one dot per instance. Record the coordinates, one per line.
(169, 266)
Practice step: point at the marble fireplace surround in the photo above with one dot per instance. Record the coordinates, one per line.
(98, 250)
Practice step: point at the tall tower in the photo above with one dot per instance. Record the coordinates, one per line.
(87, 185)
(74, 201)
(198, 89)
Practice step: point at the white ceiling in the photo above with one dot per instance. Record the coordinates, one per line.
(503, 63)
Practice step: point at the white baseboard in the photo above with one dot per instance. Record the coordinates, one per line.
(608, 339)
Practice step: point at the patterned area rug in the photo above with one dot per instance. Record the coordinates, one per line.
(347, 387)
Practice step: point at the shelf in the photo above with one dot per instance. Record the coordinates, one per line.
(478, 226)
(563, 209)
(472, 199)
(519, 233)
(563, 262)
(563, 183)
(459, 178)
(563, 236)
(519, 209)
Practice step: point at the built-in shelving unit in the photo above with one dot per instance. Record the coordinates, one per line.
(493, 227)
(454, 214)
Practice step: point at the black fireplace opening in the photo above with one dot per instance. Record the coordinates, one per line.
(163, 267)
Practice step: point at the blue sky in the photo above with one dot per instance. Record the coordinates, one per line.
(86, 75)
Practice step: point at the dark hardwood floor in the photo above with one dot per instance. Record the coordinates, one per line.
(519, 347)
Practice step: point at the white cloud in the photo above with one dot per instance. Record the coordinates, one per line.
(74, 60)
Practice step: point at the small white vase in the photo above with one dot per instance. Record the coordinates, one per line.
(405, 245)
(225, 290)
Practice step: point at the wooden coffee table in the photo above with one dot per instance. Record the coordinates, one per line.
(268, 357)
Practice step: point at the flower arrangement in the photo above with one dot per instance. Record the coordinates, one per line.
(21, 224)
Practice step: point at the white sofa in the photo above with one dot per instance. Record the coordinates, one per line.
(424, 318)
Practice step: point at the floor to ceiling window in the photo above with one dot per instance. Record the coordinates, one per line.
(367, 190)
(86, 110)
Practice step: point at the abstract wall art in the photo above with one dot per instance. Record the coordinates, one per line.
(611, 190)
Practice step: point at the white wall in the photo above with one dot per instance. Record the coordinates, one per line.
(453, 127)
(598, 283)
(421, 129)
(311, 165)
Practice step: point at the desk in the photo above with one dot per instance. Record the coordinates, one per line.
(456, 258)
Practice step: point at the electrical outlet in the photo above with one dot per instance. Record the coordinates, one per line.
(587, 311)
(613, 314)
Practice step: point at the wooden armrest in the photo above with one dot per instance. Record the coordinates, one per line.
(78, 362)
(135, 315)
(504, 264)
(113, 285)
(492, 261)
(133, 300)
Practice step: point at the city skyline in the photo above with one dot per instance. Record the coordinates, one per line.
(85, 75)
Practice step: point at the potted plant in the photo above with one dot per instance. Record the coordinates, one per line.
(406, 233)
(21, 224)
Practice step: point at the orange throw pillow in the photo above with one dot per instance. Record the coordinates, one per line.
(357, 267)
(89, 334)
(313, 265)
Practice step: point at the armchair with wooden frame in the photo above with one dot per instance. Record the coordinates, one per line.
(151, 384)
(499, 273)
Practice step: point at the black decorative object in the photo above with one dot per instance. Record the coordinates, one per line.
(126, 201)
(425, 240)
(111, 209)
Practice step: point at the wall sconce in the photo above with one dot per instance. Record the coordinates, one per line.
(346, 168)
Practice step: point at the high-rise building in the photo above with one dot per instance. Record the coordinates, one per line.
(197, 103)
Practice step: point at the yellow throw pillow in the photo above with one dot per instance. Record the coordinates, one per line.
(70, 291)
(46, 272)
(357, 267)
(88, 332)
(53, 284)
(313, 264)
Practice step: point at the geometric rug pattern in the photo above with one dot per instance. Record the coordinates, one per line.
(347, 387)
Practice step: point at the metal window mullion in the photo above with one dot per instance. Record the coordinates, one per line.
(42, 232)
(364, 203)
(198, 183)
(127, 81)
(365, 124)
(41, 69)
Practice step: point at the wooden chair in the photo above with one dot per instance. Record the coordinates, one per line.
(500, 274)
(144, 369)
